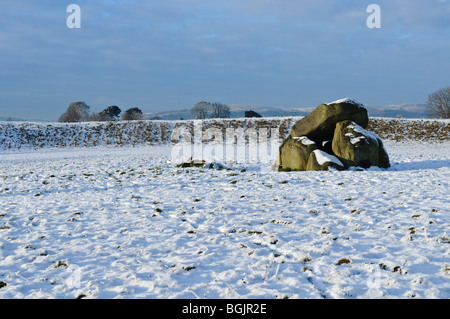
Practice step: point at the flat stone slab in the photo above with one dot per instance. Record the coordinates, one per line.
(320, 123)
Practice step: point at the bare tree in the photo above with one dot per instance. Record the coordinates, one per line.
(201, 110)
(220, 110)
(133, 114)
(439, 103)
(76, 112)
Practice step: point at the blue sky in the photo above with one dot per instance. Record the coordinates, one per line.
(164, 55)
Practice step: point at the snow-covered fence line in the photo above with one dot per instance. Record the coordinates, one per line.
(432, 130)
(39, 135)
(15, 135)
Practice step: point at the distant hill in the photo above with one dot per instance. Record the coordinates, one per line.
(237, 111)
(391, 111)
(401, 110)
(9, 118)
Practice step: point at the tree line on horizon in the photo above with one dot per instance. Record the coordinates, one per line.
(80, 112)
(438, 105)
(203, 110)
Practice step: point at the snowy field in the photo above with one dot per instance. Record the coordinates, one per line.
(105, 222)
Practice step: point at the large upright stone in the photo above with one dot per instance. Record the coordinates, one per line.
(354, 146)
(320, 123)
(294, 153)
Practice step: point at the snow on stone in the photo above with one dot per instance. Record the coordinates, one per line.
(357, 128)
(323, 157)
(347, 99)
(304, 139)
(353, 139)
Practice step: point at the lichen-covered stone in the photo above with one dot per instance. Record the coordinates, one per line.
(294, 153)
(320, 123)
(354, 146)
(332, 136)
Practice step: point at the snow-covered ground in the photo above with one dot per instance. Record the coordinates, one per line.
(124, 222)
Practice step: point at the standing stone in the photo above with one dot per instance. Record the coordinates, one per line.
(320, 123)
(294, 153)
(354, 146)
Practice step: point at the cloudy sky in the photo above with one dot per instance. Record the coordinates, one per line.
(167, 54)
